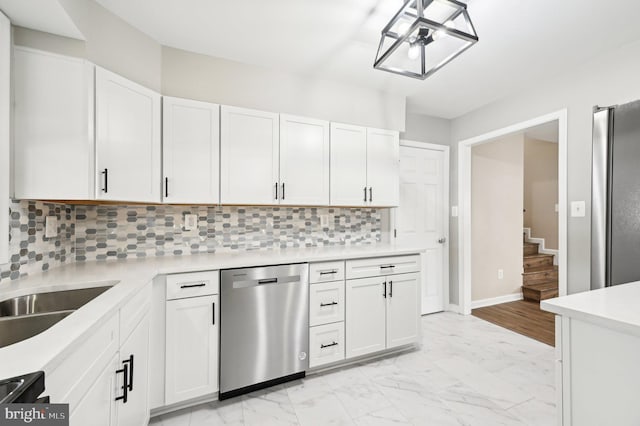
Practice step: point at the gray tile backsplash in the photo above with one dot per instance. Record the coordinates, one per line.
(105, 232)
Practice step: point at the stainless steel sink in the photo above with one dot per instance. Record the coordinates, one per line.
(49, 302)
(8, 388)
(17, 329)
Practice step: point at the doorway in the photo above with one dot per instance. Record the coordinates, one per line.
(422, 218)
(464, 188)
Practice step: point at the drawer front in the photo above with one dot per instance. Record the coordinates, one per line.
(133, 311)
(326, 303)
(193, 284)
(326, 344)
(326, 271)
(380, 266)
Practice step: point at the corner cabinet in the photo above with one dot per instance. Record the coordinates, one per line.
(248, 156)
(364, 166)
(191, 149)
(127, 120)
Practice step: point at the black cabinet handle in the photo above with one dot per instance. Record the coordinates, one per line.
(213, 306)
(125, 384)
(365, 194)
(192, 285)
(329, 345)
(322, 305)
(166, 187)
(129, 362)
(387, 266)
(370, 194)
(283, 190)
(105, 172)
(276, 190)
(333, 271)
(384, 293)
(390, 288)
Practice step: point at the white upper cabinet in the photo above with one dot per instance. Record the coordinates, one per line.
(249, 156)
(127, 140)
(191, 146)
(304, 161)
(348, 165)
(53, 126)
(383, 160)
(5, 134)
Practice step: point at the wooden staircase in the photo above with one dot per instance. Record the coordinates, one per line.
(540, 277)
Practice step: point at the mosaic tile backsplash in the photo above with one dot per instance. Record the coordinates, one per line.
(106, 232)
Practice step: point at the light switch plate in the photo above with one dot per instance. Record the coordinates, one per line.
(190, 222)
(51, 226)
(454, 211)
(578, 209)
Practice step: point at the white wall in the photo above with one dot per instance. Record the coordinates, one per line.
(205, 78)
(497, 175)
(48, 42)
(425, 128)
(606, 80)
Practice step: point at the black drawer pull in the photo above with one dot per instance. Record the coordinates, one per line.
(387, 266)
(322, 305)
(192, 285)
(334, 271)
(329, 345)
(125, 384)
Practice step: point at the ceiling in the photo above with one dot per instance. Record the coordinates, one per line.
(521, 41)
(42, 15)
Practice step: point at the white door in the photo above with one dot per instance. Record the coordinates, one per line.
(420, 218)
(348, 165)
(191, 147)
(127, 140)
(192, 348)
(365, 320)
(382, 167)
(135, 352)
(249, 156)
(403, 309)
(97, 406)
(304, 161)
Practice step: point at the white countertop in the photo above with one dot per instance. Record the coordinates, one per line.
(615, 307)
(46, 350)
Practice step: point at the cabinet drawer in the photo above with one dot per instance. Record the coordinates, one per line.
(134, 311)
(379, 266)
(192, 284)
(326, 344)
(326, 271)
(326, 303)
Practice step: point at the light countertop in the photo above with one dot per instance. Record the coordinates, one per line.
(615, 307)
(46, 350)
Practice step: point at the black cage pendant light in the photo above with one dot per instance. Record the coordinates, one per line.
(423, 36)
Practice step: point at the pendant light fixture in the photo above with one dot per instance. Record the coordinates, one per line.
(423, 36)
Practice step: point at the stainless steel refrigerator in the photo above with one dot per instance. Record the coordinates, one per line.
(615, 196)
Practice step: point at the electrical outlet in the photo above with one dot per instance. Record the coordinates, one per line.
(324, 220)
(500, 274)
(190, 222)
(578, 209)
(556, 208)
(51, 226)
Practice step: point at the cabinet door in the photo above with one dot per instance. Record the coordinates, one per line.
(136, 410)
(365, 316)
(190, 146)
(403, 313)
(192, 348)
(383, 160)
(249, 156)
(304, 161)
(53, 126)
(5, 134)
(127, 140)
(348, 165)
(97, 407)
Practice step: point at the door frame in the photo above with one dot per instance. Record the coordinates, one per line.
(445, 215)
(464, 200)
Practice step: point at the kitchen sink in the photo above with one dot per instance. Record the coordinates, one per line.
(17, 329)
(55, 301)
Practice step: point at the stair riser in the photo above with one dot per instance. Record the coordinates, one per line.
(537, 262)
(539, 277)
(536, 295)
(529, 250)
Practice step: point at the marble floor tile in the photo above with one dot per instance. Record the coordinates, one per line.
(468, 372)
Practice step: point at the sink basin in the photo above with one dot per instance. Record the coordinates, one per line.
(7, 389)
(17, 329)
(49, 302)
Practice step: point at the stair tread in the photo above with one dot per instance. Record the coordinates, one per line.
(537, 255)
(527, 244)
(544, 268)
(547, 285)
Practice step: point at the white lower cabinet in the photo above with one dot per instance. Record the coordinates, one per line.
(191, 348)
(326, 303)
(402, 310)
(97, 407)
(326, 344)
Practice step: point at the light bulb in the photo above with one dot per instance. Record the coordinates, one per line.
(437, 35)
(414, 51)
(403, 28)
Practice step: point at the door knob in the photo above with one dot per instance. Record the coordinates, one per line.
(442, 240)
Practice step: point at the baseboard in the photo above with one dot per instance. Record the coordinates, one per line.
(496, 300)
(541, 248)
(451, 307)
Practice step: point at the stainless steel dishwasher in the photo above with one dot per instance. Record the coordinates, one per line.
(264, 327)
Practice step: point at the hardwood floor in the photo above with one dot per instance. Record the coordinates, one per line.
(523, 317)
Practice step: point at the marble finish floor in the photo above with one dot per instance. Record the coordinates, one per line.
(468, 372)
